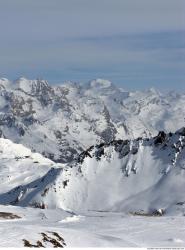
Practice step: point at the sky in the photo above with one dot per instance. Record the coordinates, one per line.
(136, 44)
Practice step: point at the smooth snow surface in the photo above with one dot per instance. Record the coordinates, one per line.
(95, 229)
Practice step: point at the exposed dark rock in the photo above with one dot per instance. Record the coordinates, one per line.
(46, 190)
(83, 155)
(21, 131)
(58, 134)
(134, 150)
(170, 134)
(99, 153)
(182, 131)
(160, 138)
(6, 215)
(65, 183)
(181, 203)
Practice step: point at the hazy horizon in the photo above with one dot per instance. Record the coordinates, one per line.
(135, 44)
(119, 85)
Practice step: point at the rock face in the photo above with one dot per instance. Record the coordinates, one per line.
(62, 121)
(139, 176)
(128, 175)
(160, 138)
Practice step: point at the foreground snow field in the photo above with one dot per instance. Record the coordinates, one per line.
(93, 229)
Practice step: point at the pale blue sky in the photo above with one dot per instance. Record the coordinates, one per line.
(135, 43)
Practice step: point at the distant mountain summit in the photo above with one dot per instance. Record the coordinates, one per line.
(62, 121)
(100, 84)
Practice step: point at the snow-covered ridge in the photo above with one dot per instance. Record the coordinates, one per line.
(25, 85)
(141, 175)
(129, 176)
(20, 166)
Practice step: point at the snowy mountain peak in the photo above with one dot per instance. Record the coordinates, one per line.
(100, 87)
(5, 82)
(13, 151)
(100, 83)
(70, 84)
(154, 91)
(32, 87)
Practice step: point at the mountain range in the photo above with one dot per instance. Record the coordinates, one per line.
(62, 121)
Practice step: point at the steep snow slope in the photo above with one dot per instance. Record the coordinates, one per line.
(62, 121)
(129, 176)
(24, 175)
(132, 176)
